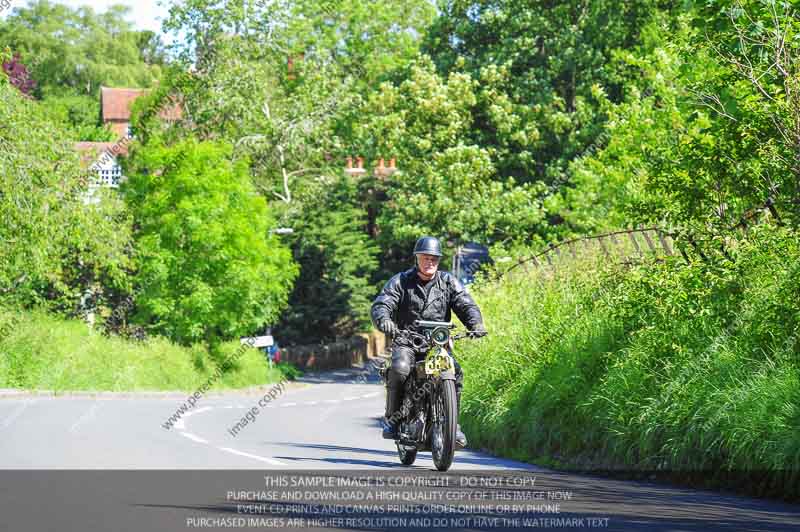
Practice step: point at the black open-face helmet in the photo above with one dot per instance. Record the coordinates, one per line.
(429, 246)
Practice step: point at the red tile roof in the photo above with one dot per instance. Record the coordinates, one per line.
(91, 151)
(115, 104)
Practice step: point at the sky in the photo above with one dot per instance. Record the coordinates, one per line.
(145, 14)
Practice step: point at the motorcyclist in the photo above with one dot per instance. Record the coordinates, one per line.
(425, 293)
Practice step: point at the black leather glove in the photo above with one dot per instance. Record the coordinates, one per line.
(478, 331)
(388, 327)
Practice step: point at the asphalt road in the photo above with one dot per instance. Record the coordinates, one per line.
(198, 473)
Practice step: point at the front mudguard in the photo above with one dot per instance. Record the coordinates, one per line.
(447, 375)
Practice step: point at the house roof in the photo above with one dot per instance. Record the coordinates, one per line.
(92, 151)
(115, 104)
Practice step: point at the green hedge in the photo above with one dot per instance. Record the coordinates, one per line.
(689, 370)
(41, 352)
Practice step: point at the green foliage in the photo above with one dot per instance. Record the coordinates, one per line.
(79, 115)
(663, 367)
(288, 371)
(46, 353)
(74, 51)
(700, 139)
(54, 248)
(447, 186)
(208, 268)
(364, 39)
(613, 179)
(368, 39)
(554, 53)
(333, 293)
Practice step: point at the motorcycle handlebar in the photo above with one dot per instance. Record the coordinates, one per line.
(459, 336)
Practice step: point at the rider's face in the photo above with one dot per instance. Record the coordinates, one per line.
(427, 265)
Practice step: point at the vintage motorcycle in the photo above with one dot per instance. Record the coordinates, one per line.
(429, 413)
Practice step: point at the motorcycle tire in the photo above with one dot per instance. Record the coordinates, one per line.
(446, 395)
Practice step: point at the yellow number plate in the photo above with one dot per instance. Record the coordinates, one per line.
(438, 362)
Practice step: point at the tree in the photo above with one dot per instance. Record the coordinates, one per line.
(283, 126)
(554, 52)
(70, 53)
(708, 133)
(364, 39)
(291, 123)
(332, 295)
(74, 51)
(759, 41)
(447, 186)
(209, 269)
(54, 248)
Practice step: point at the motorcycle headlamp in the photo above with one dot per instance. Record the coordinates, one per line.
(440, 336)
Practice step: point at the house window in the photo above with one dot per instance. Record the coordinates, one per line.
(110, 177)
(129, 131)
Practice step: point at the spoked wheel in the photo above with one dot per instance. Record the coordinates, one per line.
(443, 436)
(407, 456)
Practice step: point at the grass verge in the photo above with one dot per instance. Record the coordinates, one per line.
(41, 352)
(687, 372)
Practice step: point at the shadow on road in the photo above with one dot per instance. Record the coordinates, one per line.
(364, 374)
(462, 457)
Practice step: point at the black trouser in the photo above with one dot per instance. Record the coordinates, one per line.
(402, 362)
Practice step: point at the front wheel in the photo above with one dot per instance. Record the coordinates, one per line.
(444, 428)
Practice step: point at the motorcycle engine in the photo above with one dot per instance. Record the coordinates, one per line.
(414, 428)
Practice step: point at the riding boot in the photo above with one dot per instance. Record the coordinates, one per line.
(394, 400)
(461, 438)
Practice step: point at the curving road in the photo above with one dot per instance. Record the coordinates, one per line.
(326, 424)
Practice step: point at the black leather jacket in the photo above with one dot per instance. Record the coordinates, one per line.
(404, 300)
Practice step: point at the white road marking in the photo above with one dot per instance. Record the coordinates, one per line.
(349, 398)
(180, 423)
(20, 409)
(330, 400)
(366, 396)
(289, 404)
(193, 437)
(312, 402)
(327, 412)
(270, 461)
(89, 414)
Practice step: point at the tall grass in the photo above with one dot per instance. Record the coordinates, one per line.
(659, 367)
(42, 352)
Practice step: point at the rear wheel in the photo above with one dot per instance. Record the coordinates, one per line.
(444, 429)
